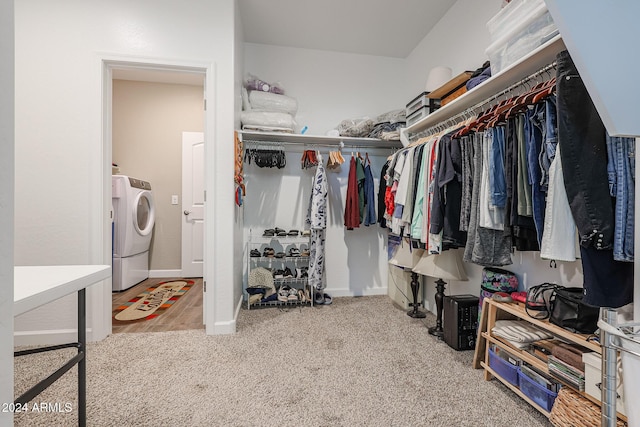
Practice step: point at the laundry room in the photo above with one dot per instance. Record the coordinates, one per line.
(151, 110)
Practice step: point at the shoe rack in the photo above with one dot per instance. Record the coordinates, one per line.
(287, 257)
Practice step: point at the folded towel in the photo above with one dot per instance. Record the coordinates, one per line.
(267, 101)
(519, 331)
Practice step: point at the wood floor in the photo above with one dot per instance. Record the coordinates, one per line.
(186, 312)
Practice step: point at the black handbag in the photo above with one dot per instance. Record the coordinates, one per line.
(569, 311)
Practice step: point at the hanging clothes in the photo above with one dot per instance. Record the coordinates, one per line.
(352, 204)
(382, 191)
(445, 212)
(317, 223)
(559, 237)
(621, 169)
(360, 179)
(369, 196)
(484, 246)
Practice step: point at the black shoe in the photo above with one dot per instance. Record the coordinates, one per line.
(254, 253)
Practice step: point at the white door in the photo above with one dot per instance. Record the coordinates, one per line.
(192, 204)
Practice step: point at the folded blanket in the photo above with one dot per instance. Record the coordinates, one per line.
(267, 101)
(267, 118)
(519, 331)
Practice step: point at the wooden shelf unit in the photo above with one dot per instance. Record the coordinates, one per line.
(493, 311)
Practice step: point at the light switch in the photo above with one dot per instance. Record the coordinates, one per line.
(174, 199)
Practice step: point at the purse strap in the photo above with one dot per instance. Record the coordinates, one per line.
(542, 290)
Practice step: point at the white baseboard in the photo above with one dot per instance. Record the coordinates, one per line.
(169, 274)
(346, 292)
(49, 337)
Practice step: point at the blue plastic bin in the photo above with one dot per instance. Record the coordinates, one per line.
(537, 392)
(504, 369)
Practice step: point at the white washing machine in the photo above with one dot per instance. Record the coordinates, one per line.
(133, 219)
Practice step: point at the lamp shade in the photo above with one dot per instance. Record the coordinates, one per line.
(437, 77)
(447, 266)
(406, 256)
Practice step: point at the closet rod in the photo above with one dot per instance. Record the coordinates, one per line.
(337, 146)
(480, 106)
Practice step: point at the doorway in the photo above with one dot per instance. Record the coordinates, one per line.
(138, 149)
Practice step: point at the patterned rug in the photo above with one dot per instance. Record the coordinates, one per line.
(153, 301)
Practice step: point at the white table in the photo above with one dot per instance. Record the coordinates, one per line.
(35, 286)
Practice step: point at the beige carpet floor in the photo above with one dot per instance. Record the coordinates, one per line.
(358, 362)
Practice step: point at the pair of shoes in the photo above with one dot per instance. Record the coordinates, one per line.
(280, 232)
(320, 298)
(283, 293)
(268, 252)
(293, 233)
(254, 253)
(278, 274)
(287, 273)
(305, 253)
(294, 252)
(280, 255)
(302, 272)
(306, 233)
(287, 294)
(269, 233)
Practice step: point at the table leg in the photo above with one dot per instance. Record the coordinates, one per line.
(82, 364)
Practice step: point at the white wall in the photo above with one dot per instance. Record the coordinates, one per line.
(6, 205)
(239, 210)
(330, 86)
(59, 47)
(457, 41)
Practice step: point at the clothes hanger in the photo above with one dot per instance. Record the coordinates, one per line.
(548, 90)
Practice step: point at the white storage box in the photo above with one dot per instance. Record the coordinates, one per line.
(593, 380)
(525, 31)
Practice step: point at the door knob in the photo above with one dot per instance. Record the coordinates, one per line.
(187, 212)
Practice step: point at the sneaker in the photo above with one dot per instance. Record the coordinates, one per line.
(287, 273)
(293, 295)
(302, 272)
(306, 233)
(283, 293)
(278, 274)
(305, 253)
(280, 232)
(268, 252)
(294, 252)
(254, 253)
(269, 233)
(293, 233)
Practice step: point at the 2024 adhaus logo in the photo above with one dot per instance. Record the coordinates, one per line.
(48, 407)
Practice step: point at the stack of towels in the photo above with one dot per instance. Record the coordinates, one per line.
(267, 108)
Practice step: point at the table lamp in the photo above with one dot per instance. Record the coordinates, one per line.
(444, 266)
(437, 77)
(407, 257)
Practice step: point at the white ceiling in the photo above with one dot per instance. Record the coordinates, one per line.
(391, 28)
(373, 27)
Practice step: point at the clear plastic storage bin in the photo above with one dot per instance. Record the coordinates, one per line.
(521, 32)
